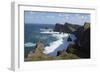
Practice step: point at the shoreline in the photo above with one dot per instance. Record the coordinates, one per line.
(60, 44)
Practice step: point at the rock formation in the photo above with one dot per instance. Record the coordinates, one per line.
(38, 51)
(82, 33)
(61, 53)
(66, 28)
(83, 41)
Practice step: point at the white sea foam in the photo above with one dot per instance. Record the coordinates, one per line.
(46, 30)
(49, 32)
(60, 44)
(60, 35)
(52, 46)
(29, 44)
(55, 46)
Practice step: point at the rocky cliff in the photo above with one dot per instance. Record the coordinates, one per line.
(82, 33)
(83, 41)
(66, 28)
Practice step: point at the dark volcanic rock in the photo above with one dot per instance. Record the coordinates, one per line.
(70, 27)
(83, 40)
(66, 28)
(69, 39)
(59, 27)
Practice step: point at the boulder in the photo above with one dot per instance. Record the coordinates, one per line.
(61, 53)
(38, 51)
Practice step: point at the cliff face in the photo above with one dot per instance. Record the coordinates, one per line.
(83, 41)
(82, 33)
(66, 28)
(59, 27)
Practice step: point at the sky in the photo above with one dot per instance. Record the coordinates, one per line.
(32, 17)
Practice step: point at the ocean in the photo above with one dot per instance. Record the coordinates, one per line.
(53, 41)
(33, 34)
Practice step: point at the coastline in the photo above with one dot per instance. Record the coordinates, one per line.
(61, 44)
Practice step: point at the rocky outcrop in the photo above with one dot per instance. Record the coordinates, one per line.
(38, 50)
(69, 28)
(83, 41)
(69, 39)
(59, 27)
(66, 28)
(61, 53)
(82, 33)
